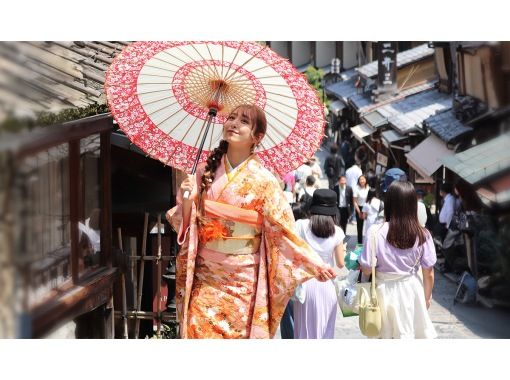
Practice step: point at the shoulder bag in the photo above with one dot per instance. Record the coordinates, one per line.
(369, 309)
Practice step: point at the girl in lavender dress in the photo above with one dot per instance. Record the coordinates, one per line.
(315, 317)
(401, 247)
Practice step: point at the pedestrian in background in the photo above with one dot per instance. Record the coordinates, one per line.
(316, 170)
(345, 202)
(361, 156)
(346, 149)
(401, 247)
(371, 211)
(423, 212)
(302, 173)
(315, 317)
(305, 195)
(352, 174)
(359, 198)
(290, 183)
(449, 204)
(334, 166)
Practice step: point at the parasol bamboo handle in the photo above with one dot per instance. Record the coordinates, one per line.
(212, 113)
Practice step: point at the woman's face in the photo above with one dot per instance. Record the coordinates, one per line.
(237, 130)
(362, 181)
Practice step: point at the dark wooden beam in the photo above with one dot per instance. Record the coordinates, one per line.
(91, 293)
(339, 53)
(74, 206)
(106, 200)
(47, 137)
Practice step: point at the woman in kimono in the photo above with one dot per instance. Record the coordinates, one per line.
(240, 259)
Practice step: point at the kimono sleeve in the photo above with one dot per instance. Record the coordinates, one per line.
(174, 215)
(286, 261)
(291, 259)
(188, 241)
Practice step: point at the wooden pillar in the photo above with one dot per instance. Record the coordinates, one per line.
(313, 54)
(339, 53)
(106, 200)
(109, 320)
(74, 207)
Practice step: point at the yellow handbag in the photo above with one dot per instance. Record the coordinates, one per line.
(369, 310)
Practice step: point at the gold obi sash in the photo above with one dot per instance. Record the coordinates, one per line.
(229, 229)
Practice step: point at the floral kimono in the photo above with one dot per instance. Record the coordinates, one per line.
(239, 264)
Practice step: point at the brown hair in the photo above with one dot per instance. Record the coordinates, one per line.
(258, 120)
(322, 226)
(401, 212)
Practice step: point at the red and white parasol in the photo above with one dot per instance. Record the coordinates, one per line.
(172, 98)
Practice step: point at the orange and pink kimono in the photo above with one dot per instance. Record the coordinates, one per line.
(239, 264)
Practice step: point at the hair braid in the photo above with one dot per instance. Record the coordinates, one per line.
(213, 161)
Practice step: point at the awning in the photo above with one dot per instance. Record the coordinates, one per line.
(425, 157)
(336, 107)
(375, 119)
(361, 130)
(392, 136)
(482, 162)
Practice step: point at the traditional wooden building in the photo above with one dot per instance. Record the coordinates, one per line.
(79, 202)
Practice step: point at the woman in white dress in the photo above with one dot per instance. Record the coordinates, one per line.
(315, 317)
(371, 211)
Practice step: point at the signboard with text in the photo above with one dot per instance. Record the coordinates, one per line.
(387, 70)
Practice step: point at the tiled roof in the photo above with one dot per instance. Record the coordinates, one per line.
(403, 59)
(343, 90)
(361, 101)
(483, 161)
(410, 112)
(364, 104)
(447, 127)
(348, 74)
(51, 76)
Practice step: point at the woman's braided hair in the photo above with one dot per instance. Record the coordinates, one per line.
(213, 161)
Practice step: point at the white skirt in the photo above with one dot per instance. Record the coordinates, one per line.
(403, 309)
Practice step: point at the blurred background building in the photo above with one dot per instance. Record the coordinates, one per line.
(74, 192)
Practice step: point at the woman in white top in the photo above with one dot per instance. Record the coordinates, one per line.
(315, 317)
(371, 211)
(359, 197)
